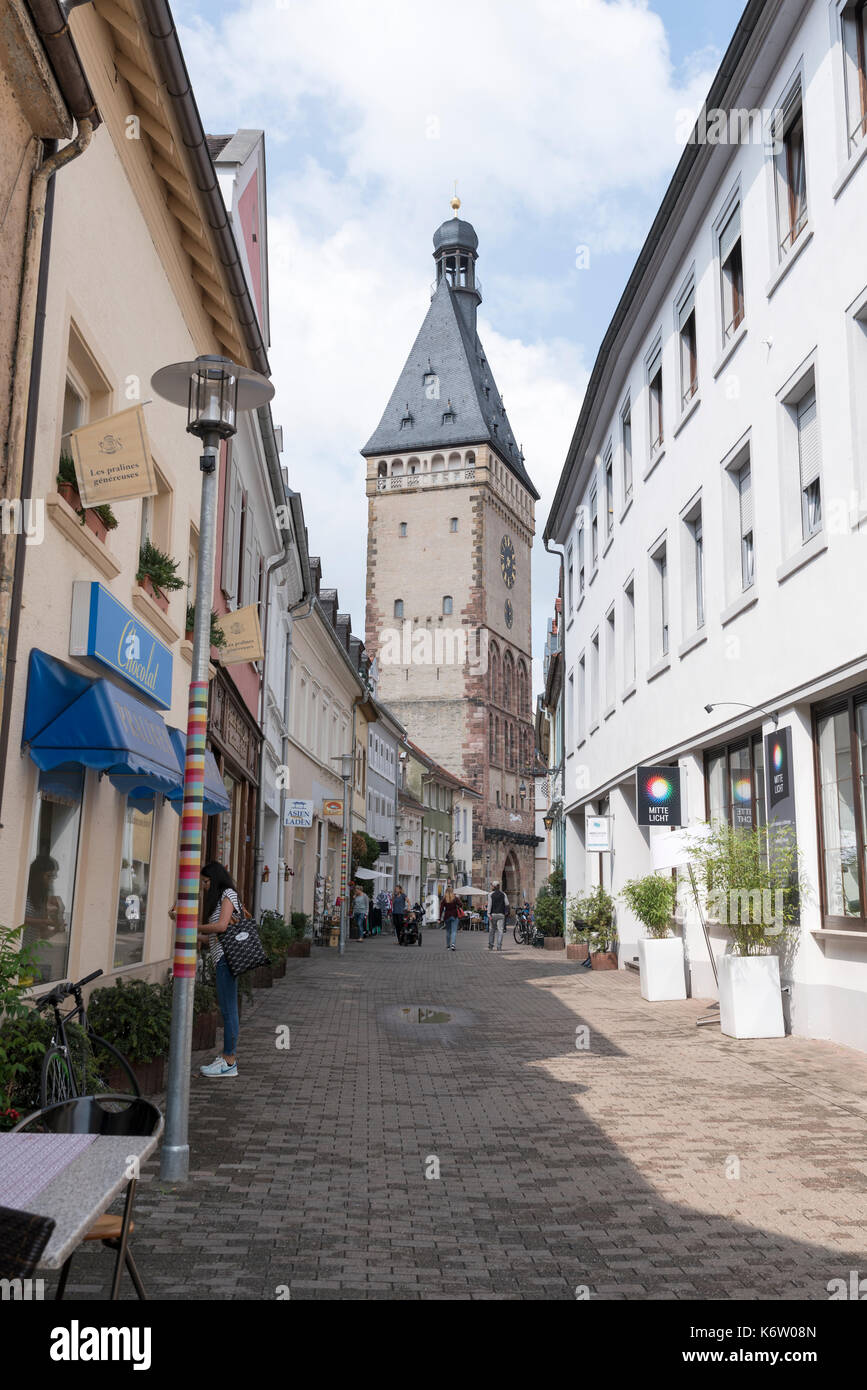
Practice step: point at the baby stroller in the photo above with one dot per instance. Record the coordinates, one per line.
(411, 934)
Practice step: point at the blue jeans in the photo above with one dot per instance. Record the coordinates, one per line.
(451, 931)
(227, 998)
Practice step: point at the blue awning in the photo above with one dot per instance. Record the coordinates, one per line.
(216, 796)
(70, 719)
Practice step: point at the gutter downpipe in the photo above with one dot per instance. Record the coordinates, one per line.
(25, 406)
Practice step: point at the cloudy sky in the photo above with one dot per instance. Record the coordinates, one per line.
(559, 121)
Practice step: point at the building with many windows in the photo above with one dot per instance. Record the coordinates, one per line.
(712, 509)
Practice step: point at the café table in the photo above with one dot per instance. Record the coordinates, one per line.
(73, 1179)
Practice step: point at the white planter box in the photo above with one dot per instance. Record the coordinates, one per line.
(750, 1002)
(660, 965)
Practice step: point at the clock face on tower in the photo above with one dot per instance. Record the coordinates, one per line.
(508, 565)
(509, 612)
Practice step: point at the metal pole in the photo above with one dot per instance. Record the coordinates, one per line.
(344, 869)
(175, 1158)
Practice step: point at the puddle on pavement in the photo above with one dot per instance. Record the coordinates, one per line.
(418, 1015)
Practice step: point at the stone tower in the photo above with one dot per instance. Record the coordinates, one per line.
(450, 530)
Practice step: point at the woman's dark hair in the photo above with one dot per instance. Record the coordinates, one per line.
(37, 889)
(219, 879)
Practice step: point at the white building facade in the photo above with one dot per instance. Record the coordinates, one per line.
(713, 506)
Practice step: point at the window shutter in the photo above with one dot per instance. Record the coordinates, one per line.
(231, 532)
(250, 574)
(729, 235)
(808, 439)
(654, 364)
(686, 309)
(745, 489)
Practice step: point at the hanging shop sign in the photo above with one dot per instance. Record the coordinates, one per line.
(332, 808)
(778, 762)
(657, 795)
(103, 630)
(112, 459)
(597, 834)
(298, 813)
(243, 636)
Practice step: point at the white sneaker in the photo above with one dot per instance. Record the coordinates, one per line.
(220, 1067)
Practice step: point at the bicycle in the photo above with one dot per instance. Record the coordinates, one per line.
(65, 1070)
(525, 931)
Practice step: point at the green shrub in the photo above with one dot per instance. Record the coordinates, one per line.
(591, 919)
(300, 923)
(135, 1016)
(155, 565)
(754, 884)
(66, 474)
(218, 636)
(276, 935)
(24, 1042)
(652, 899)
(550, 903)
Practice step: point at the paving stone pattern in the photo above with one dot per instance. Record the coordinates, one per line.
(558, 1168)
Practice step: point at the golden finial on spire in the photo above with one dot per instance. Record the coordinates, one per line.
(455, 202)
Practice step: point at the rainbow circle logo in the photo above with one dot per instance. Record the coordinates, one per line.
(659, 789)
(742, 789)
(778, 756)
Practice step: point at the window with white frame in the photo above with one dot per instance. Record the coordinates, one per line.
(629, 633)
(659, 591)
(654, 396)
(582, 698)
(594, 678)
(570, 707)
(626, 444)
(687, 342)
(581, 559)
(807, 423)
(610, 658)
(854, 25)
(693, 569)
(790, 170)
(570, 580)
(609, 493)
(744, 483)
(594, 526)
(731, 267)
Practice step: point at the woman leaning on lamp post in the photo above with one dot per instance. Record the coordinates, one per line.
(220, 904)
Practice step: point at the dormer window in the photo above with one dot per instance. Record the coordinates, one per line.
(407, 418)
(448, 414)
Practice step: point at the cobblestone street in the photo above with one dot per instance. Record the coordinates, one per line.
(558, 1167)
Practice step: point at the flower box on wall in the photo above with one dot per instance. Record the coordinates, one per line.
(661, 967)
(750, 1001)
(159, 598)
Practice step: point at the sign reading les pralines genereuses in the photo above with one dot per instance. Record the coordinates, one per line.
(105, 631)
(657, 795)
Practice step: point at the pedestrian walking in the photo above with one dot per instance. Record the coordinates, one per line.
(220, 906)
(498, 907)
(451, 912)
(398, 912)
(360, 909)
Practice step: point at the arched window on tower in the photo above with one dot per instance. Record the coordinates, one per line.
(447, 604)
(437, 464)
(490, 736)
(508, 680)
(495, 674)
(398, 607)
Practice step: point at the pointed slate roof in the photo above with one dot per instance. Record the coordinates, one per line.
(467, 392)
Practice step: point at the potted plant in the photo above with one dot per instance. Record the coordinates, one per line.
(218, 636)
(24, 1034)
(135, 1015)
(100, 519)
(157, 574)
(602, 936)
(300, 945)
(753, 881)
(577, 930)
(548, 910)
(660, 956)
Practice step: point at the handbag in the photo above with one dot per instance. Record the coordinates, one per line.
(242, 945)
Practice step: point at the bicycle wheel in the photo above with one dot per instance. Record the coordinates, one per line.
(57, 1081)
(112, 1072)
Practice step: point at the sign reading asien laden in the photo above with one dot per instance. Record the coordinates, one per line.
(113, 459)
(243, 636)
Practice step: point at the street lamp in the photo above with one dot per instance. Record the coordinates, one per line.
(347, 762)
(710, 709)
(214, 390)
(548, 821)
(522, 790)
